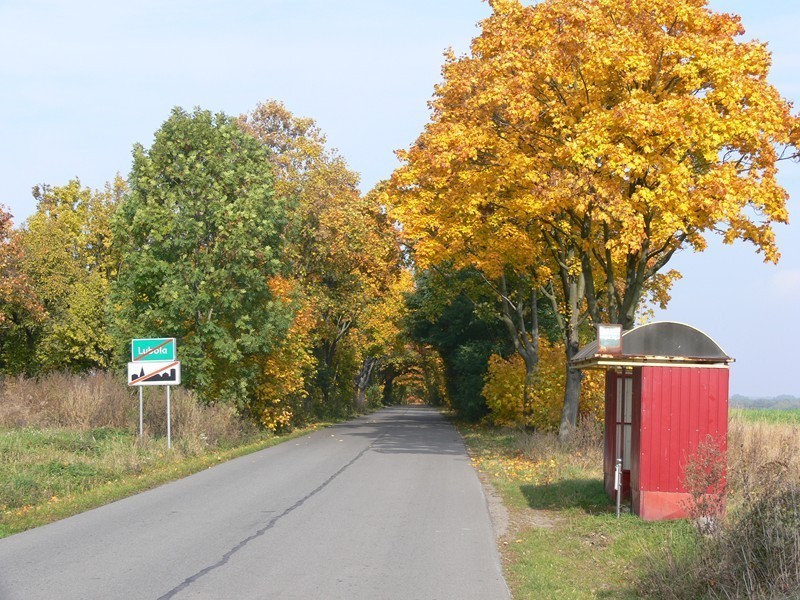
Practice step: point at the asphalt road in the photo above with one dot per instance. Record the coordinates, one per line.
(386, 506)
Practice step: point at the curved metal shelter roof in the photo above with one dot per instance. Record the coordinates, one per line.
(662, 342)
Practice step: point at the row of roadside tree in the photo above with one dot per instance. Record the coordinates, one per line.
(246, 239)
(577, 147)
(570, 154)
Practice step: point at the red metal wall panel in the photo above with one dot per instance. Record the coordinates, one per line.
(703, 402)
(679, 408)
(650, 439)
(722, 409)
(641, 414)
(681, 396)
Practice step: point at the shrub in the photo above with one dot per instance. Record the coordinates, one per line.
(504, 387)
(762, 550)
(755, 552)
(704, 477)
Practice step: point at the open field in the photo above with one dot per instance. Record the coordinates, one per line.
(564, 540)
(766, 415)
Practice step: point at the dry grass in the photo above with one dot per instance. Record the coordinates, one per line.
(70, 442)
(65, 400)
(759, 453)
(583, 451)
(755, 553)
(101, 399)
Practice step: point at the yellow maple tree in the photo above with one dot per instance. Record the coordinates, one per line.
(283, 373)
(593, 139)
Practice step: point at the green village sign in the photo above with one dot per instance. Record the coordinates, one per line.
(149, 349)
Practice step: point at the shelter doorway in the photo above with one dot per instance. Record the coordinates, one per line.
(623, 425)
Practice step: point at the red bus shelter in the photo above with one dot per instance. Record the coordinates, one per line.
(666, 392)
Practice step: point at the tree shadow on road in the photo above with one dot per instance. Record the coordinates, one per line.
(412, 431)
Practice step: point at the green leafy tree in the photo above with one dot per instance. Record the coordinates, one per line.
(456, 314)
(200, 239)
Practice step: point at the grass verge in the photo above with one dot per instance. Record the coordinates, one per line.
(564, 540)
(50, 474)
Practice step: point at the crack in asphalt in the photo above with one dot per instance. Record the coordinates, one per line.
(227, 556)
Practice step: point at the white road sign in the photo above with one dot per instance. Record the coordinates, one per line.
(164, 372)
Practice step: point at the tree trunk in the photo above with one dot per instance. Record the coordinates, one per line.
(525, 343)
(572, 388)
(362, 383)
(572, 397)
(574, 294)
(531, 368)
(388, 385)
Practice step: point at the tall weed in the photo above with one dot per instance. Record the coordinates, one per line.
(755, 553)
(759, 452)
(582, 451)
(101, 399)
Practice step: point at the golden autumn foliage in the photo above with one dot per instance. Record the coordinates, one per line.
(341, 251)
(504, 390)
(68, 260)
(582, 143)
(18, 299)
(283, 373)
(382, 321)
(594, 138)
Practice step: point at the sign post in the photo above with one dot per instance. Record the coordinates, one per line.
(153, 362)
(169, 423)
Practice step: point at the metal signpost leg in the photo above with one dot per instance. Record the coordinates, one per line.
(169, 429)
(153, 363)
(618, 483)
(141, 428)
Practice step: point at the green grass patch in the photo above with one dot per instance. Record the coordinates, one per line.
(585, 556)
(767, 415)
(586, 494)
(50, 474)
(565, 540)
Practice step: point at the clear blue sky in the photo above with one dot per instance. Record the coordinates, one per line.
(82, 81)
